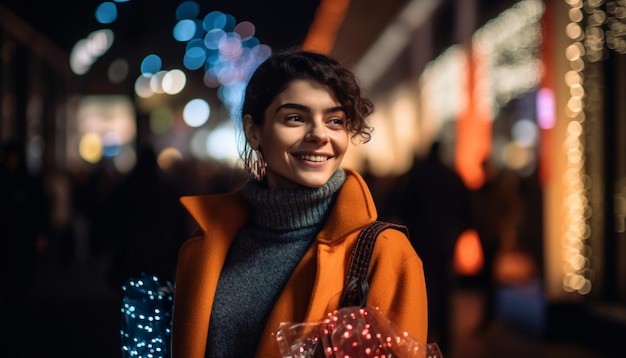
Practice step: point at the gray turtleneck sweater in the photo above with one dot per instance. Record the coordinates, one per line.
(260, 260)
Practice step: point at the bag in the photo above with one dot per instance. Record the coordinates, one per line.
(146, 317)
(353, 330)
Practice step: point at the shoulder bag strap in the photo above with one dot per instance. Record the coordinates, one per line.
(356, 285)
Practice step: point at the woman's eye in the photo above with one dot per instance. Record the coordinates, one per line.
(336, 122)
(295, 118)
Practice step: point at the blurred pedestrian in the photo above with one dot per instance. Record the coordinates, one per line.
(433, 203)
(497, 213)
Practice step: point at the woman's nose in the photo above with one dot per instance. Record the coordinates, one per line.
(317, 133)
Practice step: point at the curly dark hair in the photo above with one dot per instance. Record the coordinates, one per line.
(274, 75)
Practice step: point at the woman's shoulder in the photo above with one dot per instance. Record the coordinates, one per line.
(394, 243)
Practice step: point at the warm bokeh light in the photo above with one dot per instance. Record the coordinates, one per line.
(105, 127)
(168, 158)
(468, 254)
(323, 31)
(90, 148)
(142, 87)
(473, 139)
(174, 81)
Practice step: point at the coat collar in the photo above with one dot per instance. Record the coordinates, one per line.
(228, 212)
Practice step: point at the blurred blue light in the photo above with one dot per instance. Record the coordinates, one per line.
(250, 42)
(232, 97)
(213, 37)
(184, 30)
(151, 64)
(230, 46)
(229, 26)
(106, 12)
(187, 10)
(194, 58)
(111, 150)
(195, 43)
(213, 58)
(214, 20)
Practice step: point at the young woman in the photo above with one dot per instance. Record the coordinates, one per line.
(278, 250)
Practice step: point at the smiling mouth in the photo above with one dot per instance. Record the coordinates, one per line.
(313, 158)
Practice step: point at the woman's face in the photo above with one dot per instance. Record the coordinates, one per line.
(304, 136)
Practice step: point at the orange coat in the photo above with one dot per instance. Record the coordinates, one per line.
(396, 276)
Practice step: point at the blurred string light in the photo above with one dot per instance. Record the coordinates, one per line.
(575, 253)
(439, 83)
(511, 42)
(616, 23)
(505, 63)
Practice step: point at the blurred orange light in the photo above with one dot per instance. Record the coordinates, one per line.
(473, 141)
(323, 31)
(468, 254)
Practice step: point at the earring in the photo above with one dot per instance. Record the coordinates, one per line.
(255, 164)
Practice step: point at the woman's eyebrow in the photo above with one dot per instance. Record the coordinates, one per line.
(308, 109)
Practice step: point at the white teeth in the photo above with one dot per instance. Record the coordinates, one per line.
(313, 158)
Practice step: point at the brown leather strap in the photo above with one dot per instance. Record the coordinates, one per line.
(356, 286)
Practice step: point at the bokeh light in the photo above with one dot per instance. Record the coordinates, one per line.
(118, 70)
(196, 112)
(86, 51)
(187, 10)
(151, 64)
(168, 158)
(221, 143)
(184, 30)
(90, 147)
(174, 81)
(106, 12)
(525, 133)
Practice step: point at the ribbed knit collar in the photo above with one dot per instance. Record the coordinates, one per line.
(288, 209)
